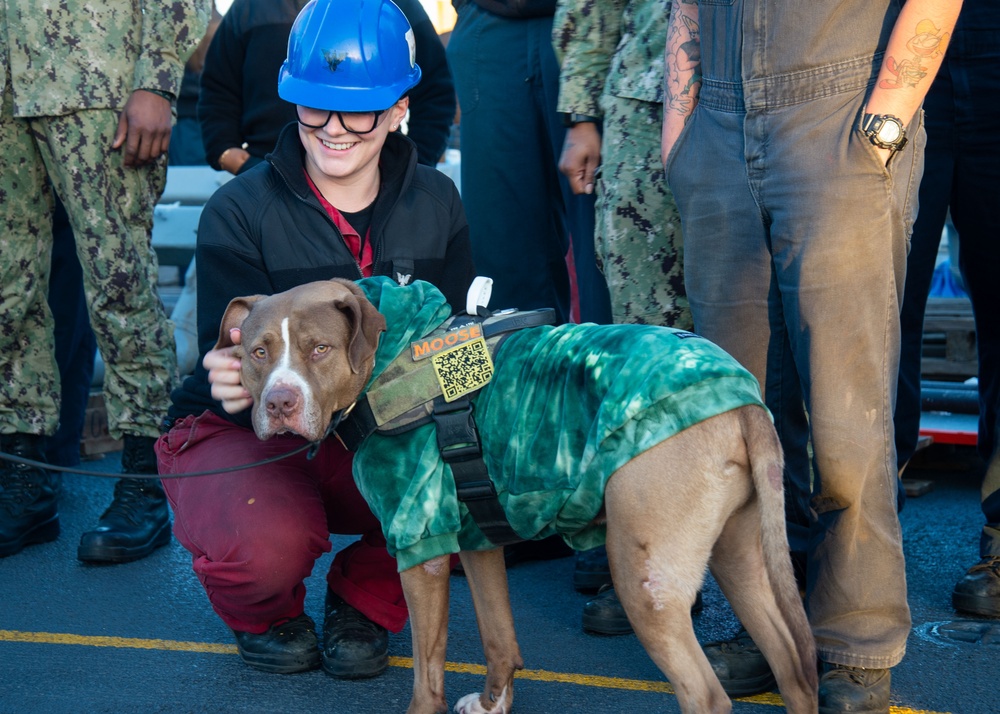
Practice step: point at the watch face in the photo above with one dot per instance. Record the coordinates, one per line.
(889, 132)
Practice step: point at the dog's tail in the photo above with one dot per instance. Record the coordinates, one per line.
(767, 465)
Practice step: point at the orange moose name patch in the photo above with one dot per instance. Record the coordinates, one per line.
(433, 345)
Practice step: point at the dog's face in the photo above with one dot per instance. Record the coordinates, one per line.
(306, 353)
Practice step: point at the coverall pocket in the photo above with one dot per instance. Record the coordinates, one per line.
(672, 156)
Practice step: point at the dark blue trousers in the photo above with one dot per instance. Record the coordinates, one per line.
(961, 172)
(521, 212)
(76, 346)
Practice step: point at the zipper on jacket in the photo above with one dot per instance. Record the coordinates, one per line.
(305, 200)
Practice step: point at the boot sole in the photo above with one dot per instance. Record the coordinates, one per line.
(124, 554)
(974, 605)
(42, 533)
(749, 687)
(840, 710)
(282, 665)
(606, 625)
(602, 625)
(361, 669)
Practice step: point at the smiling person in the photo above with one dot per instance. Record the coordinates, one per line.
(342, 195)
(239, 108)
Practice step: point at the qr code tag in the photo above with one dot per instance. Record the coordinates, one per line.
(463, 369)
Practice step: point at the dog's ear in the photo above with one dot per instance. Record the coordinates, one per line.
(366, 322)
(234, 316)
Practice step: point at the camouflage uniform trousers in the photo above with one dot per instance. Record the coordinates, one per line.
(110, 208)
(638, 235)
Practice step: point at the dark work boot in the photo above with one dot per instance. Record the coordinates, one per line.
(853, 690)
(285, 648)
(740, 666)
(604, 614)
(28, 496)
(137, 522)
(354, 647)
(978, 591)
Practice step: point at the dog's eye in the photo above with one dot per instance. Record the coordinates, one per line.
(321, 349)
(260, 353)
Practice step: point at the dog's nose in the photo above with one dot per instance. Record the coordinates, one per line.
(282, 401)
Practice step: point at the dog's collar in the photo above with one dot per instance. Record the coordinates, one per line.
(331, 428)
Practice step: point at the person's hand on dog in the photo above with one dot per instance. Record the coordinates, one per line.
(224, 376)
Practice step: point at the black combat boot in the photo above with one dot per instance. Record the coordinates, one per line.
(285, 648)
(28, 496)
(605, 614)
(137, 521)
(354, 647)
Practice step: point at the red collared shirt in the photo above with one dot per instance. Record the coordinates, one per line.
(351, 236)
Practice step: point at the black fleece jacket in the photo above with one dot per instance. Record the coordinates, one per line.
(513, 8)
(266, 231)
(239, 99)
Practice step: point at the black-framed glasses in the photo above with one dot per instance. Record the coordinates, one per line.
(354, 122)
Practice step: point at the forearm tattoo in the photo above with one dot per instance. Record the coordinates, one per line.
(927, 44)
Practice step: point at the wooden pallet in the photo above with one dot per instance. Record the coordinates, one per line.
(949, 344)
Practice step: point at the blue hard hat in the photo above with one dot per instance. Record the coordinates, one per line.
(349, 55)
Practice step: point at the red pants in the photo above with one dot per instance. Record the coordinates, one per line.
(256, 533)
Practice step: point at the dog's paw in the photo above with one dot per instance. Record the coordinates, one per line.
(470, 704)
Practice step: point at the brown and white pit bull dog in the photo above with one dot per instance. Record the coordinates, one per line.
(708, 496)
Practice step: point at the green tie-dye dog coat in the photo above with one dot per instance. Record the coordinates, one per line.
(567, 406)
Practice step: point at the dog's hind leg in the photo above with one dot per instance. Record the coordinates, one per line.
(662, 522)
(738, 567)
(425, 587)
(487, 578)
(752, 566)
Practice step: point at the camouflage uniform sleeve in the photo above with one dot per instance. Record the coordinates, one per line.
(585, 34)
(171, 30)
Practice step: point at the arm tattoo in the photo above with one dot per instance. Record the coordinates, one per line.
(928, 43)
(682, 78)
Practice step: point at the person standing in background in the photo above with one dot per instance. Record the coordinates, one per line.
(88, 120)
(611, 98)
(522, 214)
(239, 108)
(186, 145)
(962, 174)
(796, 170)
(523, 218)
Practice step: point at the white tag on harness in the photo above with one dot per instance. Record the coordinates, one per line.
(479, 294)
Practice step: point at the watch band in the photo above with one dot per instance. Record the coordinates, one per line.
(571, 119)
(871, 125)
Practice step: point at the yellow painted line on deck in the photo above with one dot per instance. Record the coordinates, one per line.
(56, 638)
(536, 675)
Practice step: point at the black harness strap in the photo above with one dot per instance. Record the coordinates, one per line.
(457, 436)
(360, 423)
(458, 442)
(358, 426)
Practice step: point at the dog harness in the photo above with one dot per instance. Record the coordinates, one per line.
(565, 408)
(435, 382)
